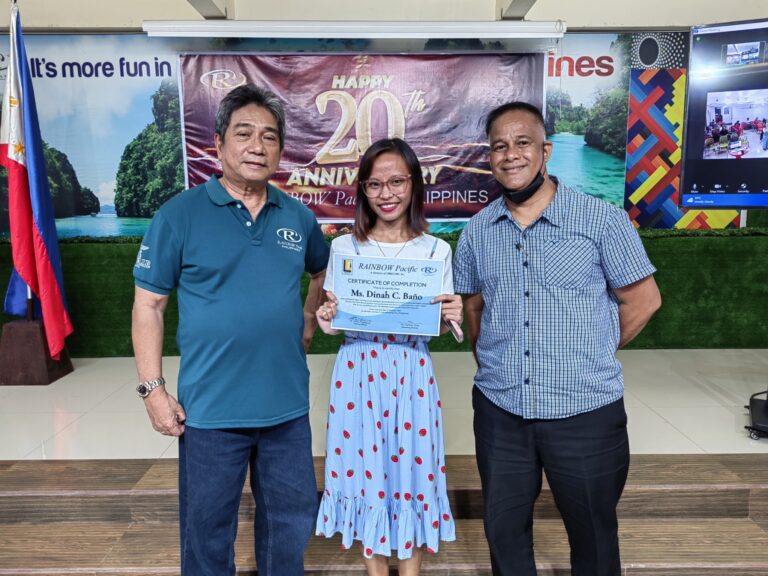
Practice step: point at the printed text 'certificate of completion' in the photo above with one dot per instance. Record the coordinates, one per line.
(390, 295)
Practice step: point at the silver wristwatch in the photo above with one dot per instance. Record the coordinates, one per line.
(146, 387)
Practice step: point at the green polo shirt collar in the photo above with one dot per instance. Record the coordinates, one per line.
(220, 197)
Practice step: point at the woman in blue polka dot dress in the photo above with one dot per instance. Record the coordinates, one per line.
(385, 483)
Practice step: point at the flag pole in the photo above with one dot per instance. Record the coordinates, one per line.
(32, 351)
(30, 301)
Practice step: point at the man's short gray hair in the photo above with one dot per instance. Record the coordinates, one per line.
(243, 96)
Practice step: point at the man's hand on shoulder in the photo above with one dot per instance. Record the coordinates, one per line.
(165, 412)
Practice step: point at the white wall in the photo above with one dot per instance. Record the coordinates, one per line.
(416, 10)
(738, 112)
(743, 111)
(655, 14)
(84, 15)
(760, 111)
(583, 14)
(128, 15)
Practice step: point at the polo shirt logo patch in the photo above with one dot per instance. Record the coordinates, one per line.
(289, 239)
(289, 235)
(143, 262)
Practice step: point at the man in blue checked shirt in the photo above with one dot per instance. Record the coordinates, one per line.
(554, 282)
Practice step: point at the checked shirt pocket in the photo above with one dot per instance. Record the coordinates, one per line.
(570, 263)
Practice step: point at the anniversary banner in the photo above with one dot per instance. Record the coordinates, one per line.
(337, 105)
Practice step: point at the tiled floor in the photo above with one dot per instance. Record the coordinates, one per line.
(679, 401)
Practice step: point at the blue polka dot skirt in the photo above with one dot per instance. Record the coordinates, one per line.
(385, 483)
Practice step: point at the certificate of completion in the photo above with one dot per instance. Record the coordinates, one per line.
(390, 295)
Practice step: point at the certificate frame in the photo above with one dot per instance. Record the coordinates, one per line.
(387, 295)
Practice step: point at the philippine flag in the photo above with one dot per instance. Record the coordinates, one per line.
(34, 243)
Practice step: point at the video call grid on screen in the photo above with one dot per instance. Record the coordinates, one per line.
(726, 140)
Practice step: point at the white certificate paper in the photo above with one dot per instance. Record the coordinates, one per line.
(390, 295)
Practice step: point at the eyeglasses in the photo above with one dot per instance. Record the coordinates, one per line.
(396, 184)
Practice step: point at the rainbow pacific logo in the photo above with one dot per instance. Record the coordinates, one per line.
(347, 262)
(142, 262)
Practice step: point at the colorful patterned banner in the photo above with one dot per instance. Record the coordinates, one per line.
(654, 139)
(337, 105)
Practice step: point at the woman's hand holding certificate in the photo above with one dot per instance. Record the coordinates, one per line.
(326, 312)
(451, 313)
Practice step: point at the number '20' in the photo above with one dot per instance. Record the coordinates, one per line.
(360, 117)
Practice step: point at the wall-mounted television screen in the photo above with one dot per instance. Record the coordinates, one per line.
(726, 137)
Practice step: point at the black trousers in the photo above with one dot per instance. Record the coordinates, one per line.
(586, 460)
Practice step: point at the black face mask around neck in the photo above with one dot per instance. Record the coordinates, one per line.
(522, 194)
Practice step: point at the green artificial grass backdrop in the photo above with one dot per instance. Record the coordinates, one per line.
(714, 286)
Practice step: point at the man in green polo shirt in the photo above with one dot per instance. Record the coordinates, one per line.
(234, 249)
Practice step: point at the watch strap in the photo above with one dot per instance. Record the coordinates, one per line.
(144, 388)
